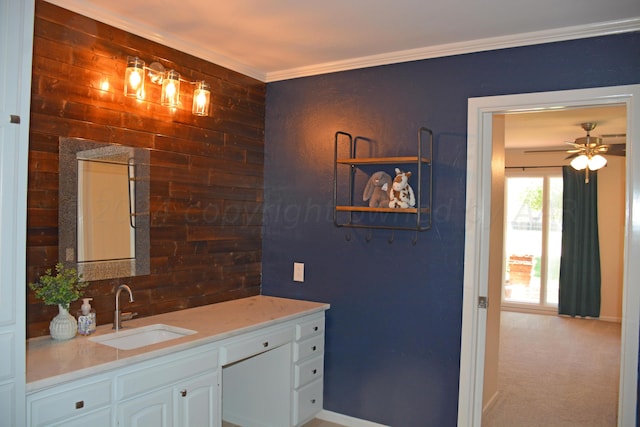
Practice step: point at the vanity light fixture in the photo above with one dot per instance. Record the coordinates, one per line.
(170, 80)
(201, 99)
(171, 89)
(134, 78)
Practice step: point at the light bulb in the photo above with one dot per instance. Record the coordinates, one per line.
(134, 79)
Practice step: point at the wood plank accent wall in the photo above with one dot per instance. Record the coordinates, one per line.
(206, 172)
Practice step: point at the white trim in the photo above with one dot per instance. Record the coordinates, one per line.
(480, 112)
(345, 420)
(480, 45)
(199, 50)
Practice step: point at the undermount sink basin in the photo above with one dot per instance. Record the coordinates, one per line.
(128, 339)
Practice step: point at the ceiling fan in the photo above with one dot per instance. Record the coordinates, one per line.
(588, 151)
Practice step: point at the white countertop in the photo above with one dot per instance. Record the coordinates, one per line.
(50, 362)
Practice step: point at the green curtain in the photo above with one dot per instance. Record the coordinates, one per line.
(579, 288)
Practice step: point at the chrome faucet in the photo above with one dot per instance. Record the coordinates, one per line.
(117, 315)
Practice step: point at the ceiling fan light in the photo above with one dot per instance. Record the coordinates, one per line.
(596, 162)
(580, 162)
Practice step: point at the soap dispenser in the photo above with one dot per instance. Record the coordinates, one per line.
(86, 318)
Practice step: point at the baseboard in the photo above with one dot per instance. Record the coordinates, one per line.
(611, 319)
(346, 420)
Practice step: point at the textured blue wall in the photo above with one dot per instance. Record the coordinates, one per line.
(394, 328)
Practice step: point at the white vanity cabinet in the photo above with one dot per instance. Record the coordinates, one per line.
(179, 389)
(255, 362)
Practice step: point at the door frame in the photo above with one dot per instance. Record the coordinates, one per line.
(478, 214)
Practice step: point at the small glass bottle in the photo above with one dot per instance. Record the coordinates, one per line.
(86, 318)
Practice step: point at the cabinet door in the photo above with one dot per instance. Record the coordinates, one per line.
(151, 410)
(197, 402)
(16, 46)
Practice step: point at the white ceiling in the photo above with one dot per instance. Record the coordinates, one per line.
(552, 129)
(282, 39)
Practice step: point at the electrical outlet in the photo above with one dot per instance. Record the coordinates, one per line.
(298, 272)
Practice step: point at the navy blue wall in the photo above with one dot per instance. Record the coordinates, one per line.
(394, 328)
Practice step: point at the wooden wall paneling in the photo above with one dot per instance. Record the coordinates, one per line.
(206, 172)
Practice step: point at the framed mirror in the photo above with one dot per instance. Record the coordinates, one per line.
(103, 209)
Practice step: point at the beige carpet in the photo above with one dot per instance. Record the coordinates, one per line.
(556, 371)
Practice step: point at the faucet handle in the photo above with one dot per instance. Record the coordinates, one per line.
(128, 315)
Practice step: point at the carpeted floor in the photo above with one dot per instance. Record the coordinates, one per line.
(556, 371)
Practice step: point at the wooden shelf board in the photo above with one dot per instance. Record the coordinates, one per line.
(380, 160)
(390, 210)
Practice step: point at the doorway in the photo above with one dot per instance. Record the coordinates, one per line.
(479, 197)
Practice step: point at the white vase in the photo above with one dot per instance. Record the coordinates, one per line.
(63, 326)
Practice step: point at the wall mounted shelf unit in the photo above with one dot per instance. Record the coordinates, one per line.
(422, 162)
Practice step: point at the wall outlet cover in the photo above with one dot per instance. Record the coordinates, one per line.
(298, 272)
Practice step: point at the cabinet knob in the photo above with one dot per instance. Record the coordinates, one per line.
(313, 401)
(80, 404)
(183, 393)
(315, 371)
(315, 328)
(265, 344)
(313, 348)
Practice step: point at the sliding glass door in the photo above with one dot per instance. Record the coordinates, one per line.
(533, 236)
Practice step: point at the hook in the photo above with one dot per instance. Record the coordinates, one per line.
(390, 240)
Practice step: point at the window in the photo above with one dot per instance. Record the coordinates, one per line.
(533, 238)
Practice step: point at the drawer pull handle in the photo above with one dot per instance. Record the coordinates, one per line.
(315, 371)
(315, 328)
(265, 344)
(313, 348)
(183, 393)
(313, 401)
(80, 404)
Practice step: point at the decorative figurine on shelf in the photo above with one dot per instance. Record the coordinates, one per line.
(61, 289)
(401, 194)
(377, 190)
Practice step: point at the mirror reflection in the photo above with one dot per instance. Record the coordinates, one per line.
(103, 209)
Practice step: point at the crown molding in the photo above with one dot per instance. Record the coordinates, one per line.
(492, 43)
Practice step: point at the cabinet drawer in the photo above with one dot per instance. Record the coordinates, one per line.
(176, 368)
(307, 402)
(99, 418)
(310, 327)
(59, 404)
(308, 371)
(250, 347)
(306, 348)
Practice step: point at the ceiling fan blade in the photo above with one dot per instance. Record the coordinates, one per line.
(572, 156)
(617, 149)
(614, 135)
(557, 150)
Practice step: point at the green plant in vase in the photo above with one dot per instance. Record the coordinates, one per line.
(60, 288)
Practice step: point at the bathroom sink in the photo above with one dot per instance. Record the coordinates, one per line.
(129, 339)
